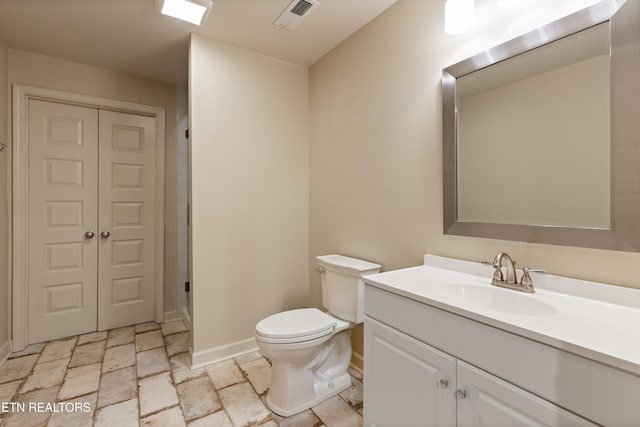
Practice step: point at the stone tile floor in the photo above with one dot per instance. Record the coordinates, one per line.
(138, 375)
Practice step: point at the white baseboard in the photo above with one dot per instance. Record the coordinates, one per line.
(357, 362)
(223, 352)
(5, 351)
(170, 316)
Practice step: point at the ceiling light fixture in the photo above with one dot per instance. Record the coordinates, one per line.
(194, 11)
(459, 16)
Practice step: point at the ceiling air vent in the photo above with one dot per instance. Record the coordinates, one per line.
(293, 14)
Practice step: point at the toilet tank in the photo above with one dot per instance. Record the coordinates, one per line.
(342, 285)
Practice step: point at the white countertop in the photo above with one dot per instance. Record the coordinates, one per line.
(593, 320)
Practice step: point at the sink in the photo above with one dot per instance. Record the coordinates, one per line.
(494, 298)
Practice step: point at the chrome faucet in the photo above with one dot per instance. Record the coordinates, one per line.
(511, 280)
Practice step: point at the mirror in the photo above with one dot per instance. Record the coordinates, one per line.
(540, 140)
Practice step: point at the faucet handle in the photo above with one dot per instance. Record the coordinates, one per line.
(497, 273)
(526, 281)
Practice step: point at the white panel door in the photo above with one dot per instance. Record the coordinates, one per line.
(485, 400)
(127, 206)
(91, 220)
(408, 383)
(62, 142)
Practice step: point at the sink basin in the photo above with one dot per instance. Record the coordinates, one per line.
(495, 298)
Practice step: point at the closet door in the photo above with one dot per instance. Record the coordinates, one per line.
(62, 144)
(126, 219)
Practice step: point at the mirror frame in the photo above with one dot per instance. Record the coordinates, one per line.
(624, 233)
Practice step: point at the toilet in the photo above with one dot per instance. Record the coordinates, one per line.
(310, 350)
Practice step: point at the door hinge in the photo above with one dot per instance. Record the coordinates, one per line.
(187, 286)
(186, 133)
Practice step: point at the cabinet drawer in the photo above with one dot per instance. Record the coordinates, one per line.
(598, 392)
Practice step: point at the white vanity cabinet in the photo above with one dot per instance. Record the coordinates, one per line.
(409, 383)
(566, 355)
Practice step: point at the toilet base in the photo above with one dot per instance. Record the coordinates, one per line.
(306, 373)
(323, 391)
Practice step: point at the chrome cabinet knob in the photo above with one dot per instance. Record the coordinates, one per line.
(461, 394)
(89, 234)
(105, 234)
(443, 383)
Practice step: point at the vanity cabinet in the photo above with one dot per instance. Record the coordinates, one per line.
(568, 354)
(410, 383)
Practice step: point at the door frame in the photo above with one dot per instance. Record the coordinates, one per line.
(18, 241)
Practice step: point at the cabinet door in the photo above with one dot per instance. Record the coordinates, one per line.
(408, 383)
(485, 400)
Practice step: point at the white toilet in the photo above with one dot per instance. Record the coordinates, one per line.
(310, 350)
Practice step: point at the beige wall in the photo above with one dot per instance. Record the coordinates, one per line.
(249, 193)
(52, 73)
(4, 207)
(376, 147)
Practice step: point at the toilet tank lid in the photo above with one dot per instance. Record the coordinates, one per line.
(346, 264)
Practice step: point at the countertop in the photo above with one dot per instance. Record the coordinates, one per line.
(593, 320)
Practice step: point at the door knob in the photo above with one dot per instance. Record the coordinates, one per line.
(89, 234)
(105, 234)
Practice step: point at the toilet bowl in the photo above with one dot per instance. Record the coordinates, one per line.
(309, 364)
(310, 350)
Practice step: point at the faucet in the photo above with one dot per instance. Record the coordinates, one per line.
(511, 269)
(511, 281)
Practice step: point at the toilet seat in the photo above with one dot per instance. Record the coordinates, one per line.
(295, 326)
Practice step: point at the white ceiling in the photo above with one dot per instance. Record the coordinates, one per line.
(132, 36)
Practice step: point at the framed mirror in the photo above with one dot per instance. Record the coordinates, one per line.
(542, 134)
